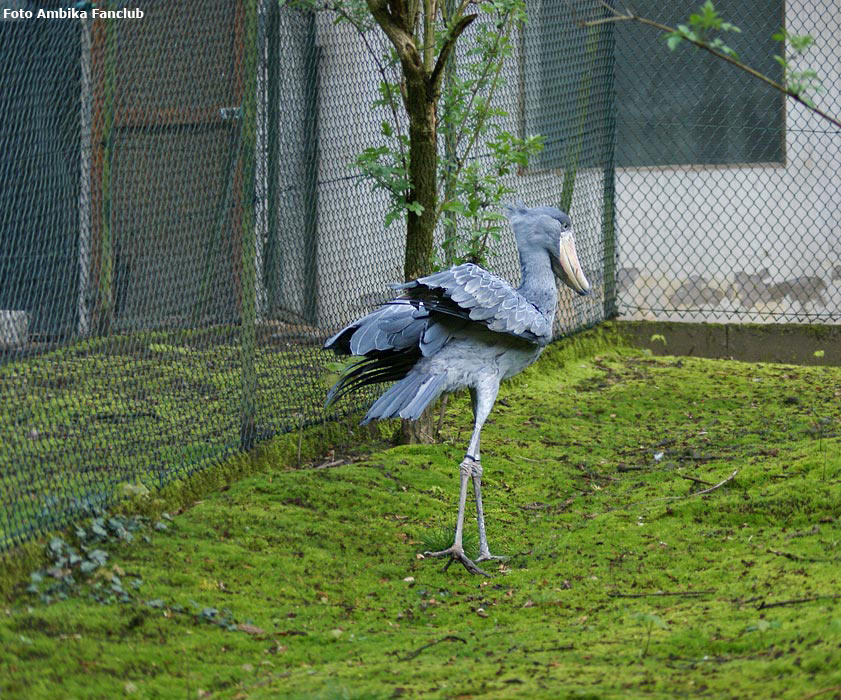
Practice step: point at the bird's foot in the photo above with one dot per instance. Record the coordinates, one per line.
(457, 554)
(487, 556)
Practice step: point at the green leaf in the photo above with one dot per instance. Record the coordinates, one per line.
(800, 43)
(391, 216)
(673, 40)
(454, 205)
(98, 556)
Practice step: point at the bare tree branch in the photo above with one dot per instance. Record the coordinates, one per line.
(629, 16)
(399, 35)
(438, 71)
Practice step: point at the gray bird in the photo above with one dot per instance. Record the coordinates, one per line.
(463, 327)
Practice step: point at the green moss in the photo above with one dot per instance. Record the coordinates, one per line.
(621, 582)
(80, 422)
(183, 492)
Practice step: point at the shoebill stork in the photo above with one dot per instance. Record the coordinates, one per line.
(463, 327)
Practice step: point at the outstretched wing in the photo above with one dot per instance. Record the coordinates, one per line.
(471, 293)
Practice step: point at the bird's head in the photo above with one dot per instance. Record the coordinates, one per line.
(549, 229)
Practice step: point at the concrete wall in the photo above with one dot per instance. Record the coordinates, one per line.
(748, 342)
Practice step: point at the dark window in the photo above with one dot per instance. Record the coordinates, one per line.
(687, 107)
(672, 107)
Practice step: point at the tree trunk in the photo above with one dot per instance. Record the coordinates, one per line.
(421, 104)
(423, 175)
(417, 432)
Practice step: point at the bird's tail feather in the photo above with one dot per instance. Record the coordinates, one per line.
(408, 398)
(379, 367)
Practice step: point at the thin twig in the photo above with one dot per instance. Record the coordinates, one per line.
(527, 650)
(335, 7)
(486, 70)
(787, 555)
(797, 557)
(417, 652)
(629, 16)
(613, 594)
(821, 692)
(695, 479)
(678, 498)
(718, 485)
(796, 601)
(329, 465)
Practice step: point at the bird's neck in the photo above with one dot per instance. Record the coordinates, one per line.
(537, 282)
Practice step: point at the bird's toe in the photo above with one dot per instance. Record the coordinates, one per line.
(487, 556)
(457, 554)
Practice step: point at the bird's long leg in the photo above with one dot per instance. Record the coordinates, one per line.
(456, 551)
(483, 400)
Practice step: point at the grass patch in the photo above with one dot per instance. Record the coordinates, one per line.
(624, 580)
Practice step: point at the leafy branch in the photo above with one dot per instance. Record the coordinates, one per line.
(700, 31)
(424, 86)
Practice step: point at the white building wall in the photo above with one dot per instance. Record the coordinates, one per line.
(357, 255)
(725, 243)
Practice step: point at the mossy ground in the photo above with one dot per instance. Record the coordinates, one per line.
(621, 582)
(80, 422)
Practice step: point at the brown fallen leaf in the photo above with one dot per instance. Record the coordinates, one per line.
(251, 629)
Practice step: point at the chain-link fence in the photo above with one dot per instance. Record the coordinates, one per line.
(180, 228)
(728, 198)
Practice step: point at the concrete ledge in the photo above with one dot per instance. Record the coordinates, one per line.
(791, 343)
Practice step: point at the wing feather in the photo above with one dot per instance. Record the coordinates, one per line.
(472, 293)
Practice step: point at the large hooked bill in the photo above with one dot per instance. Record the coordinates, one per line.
(567, 267)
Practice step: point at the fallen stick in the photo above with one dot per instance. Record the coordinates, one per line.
(797, 557)
(695, 479)
(328, 465)
(796, 601)
(718, 485)
(613, 594)
(417, 652)
(630, 468)
(821, 692)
